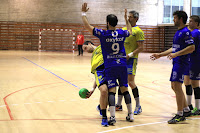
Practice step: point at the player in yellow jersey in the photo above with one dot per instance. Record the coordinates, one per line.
(97, 68)
(133, 46)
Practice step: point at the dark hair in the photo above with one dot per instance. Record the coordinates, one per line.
(181, 14)
(196, 19)
(135, 14)
(86, 43)
(112, 19)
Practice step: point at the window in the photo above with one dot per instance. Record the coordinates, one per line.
(169, 7)
(195, 7)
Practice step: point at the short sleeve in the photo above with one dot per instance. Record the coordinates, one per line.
(97, 32)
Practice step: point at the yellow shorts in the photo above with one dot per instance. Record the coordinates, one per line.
(100, 77)
(132, 65)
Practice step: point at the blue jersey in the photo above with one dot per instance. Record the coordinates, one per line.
(196, 38)
(182, 39)
(112, 45)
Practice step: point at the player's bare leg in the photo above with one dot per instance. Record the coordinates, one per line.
(131, 82)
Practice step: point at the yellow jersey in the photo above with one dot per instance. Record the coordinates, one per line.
(130, 43)
(97, 59)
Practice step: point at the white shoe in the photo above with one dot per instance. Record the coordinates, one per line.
(130, 117)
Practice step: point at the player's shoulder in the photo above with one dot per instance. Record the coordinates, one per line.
(96, 30)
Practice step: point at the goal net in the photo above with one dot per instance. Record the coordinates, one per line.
(56, 40)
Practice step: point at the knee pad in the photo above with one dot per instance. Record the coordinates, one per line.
(127, 97)
(111, 99)
(188, 89)
(197, 93)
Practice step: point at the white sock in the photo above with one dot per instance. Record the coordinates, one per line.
(197, 103)
(137, 102)
(186, 109)
(129, 108)
(119, 102)
(189, 99)
(180, 113)
(112, 110)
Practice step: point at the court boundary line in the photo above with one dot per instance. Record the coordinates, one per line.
(153, 123)
(5, 98)
(51, 73)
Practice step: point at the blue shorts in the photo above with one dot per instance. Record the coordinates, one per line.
(178, 72)
(195, 69)
(132, 65)
(100, 77)
(116, 73)
(187, 69)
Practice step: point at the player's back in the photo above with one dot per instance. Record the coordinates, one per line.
(112, 44)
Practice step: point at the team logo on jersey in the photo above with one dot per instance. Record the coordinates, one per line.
(114, 33)
(118, 61)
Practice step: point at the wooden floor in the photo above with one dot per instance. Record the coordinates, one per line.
(39, 94)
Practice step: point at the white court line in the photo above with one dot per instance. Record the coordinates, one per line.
(142, 125)
(133, 126)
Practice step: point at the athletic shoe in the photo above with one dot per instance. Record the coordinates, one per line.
(138, 110)
(112, 120)
(118, 108)
(176, 119)
(187, 114)
(99, 109)
(191, 107)
(195, 111)
(104, 122)
(130, 117)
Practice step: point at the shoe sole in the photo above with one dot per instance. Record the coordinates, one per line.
(112, 123)
(130, 120)
(105, 125)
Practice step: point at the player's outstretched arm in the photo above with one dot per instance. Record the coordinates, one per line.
(158, 55)
(128, 25)
(187, 50)
(84, 18)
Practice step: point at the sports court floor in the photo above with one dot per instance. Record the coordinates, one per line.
(39, 94)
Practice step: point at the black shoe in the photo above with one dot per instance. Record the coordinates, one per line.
(187, 114)
(176, 119)
(112, 120)
(191, 107)
(195, 111)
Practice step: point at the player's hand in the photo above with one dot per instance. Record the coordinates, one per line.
(155, 56)
(125, 14)
(89, 94)
(171, 56)
(84, 7)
